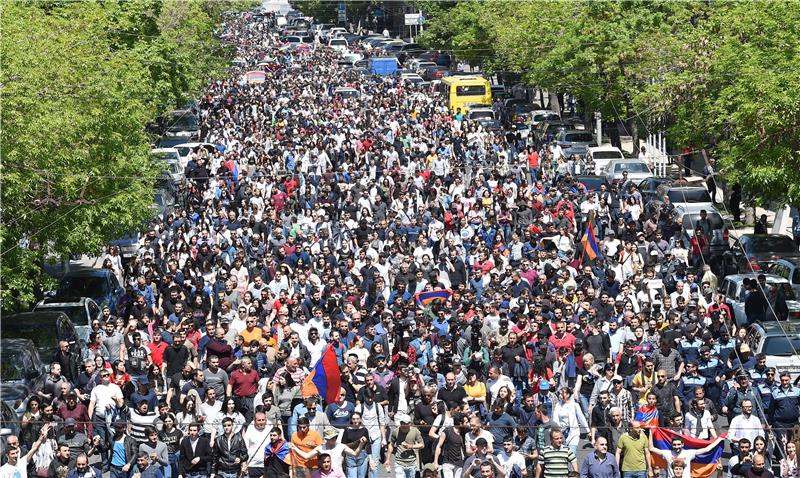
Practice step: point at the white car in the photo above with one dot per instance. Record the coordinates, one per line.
(636, 168)
(185, 149)
(733, 288)
(477, 114)
(543, 116)
(339, 44)
(346, 92)
(780, 342)
(171, 159)
(603, 154)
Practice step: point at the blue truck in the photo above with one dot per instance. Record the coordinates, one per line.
(383, 66)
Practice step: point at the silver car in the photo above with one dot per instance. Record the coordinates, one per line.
(573, 141)
(636, 170)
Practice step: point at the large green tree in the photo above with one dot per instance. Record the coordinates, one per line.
(80, 81)
(718, 75)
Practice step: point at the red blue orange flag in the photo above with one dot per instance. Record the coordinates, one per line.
(325, 378)
(428, 296)
(589, 241)
(702, 466)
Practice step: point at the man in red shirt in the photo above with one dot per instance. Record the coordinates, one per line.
(562, 338)
(243, 386)
(533, 164)
(157, 348)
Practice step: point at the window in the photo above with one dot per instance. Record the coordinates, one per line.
(470, 90)
(606, 155)
(796, 276)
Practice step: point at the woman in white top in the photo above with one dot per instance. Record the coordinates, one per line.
(569, 416)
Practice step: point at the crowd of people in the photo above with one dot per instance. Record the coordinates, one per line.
(317, 226)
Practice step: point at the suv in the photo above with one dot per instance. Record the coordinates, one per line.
(780, 342)
(717, 234)
(789, 269)
(733, 288)
(692, 198)
(80, 310)
(100, 284)
(762, 249)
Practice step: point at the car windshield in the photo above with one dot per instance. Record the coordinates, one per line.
(690, 221)
(83, 287)
(688, 195)
(592, 183)
(186, 120)
(782, 346)
(11, 367)
(766, 244)
(606, 155)
(41, 332)
(544, 117)
(164, 156)
(631, 168)
(470, 90)
(481, 114)
(76, 313)
(578, 137)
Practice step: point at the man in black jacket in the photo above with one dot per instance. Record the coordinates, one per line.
(195, 454)
(230, 451)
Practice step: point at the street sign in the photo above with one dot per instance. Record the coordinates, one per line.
(342, 7)
(413, 18)
(342, 16)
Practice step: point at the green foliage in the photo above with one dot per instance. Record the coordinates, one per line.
(80, 80)
(720, 75)
(327, 11)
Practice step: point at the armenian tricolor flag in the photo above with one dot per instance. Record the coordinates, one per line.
(702, 466)
(589, 241)
(325, 378)
(280, 451)
(648, 416)
(255, 77)
(428, 296)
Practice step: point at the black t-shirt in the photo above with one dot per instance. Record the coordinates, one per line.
(352, 436)
(172, 439)
(176, 358)
(453, 397)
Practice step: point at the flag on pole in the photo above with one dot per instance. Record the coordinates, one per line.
(426, 297)
(589, 241)
(325, 378)
(702, 466)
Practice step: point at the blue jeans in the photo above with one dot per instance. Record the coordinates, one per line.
(174, 458)
(401, 471)
(357, 467)
(118, 473)
(375, 453)
(634, 474)
(225, 474)
(583, 401)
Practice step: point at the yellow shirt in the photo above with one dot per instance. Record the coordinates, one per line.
(475, 391)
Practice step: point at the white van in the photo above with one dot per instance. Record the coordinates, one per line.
(602, 155)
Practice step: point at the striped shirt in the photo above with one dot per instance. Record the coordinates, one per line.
(556, 463)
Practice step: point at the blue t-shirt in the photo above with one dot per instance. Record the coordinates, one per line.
(118, 454)
(339, 415)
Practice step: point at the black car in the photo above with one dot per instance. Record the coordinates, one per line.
(22, 372)
(592, 183)
(43, 328)
(649, 186)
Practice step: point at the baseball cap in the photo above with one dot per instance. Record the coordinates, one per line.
(402, 418)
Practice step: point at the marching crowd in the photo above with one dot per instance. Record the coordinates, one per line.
(320, 225)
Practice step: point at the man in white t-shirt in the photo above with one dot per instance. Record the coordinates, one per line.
(678, 453)
(509, 458)
(105, 397)
(17, 466)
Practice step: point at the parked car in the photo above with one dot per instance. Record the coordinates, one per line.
(45, 328)
(735, 294)
(780, 342)
(184, 149)
(547, 130)
(719, 240)
(602, 154)
(541, 116)
(694, 198)
(22, 372)
(163, 202)
(636, 168)
(169, 159)
(575, 142)
(338, 44)
(101, 285)
(480, 113)
(128, 245)
(789, 269)
(490, 124)
(346, 92)
(9, 425)
(757, 251)
(182, 124)
(80, 310)
(592, 182)
(649, 186)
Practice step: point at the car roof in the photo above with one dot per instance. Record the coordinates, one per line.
(58, 301)
(12, 345)
(771, 278)
(778, 328)
(88, 273)
(163, 150)
(34, 315)
(750, 234)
